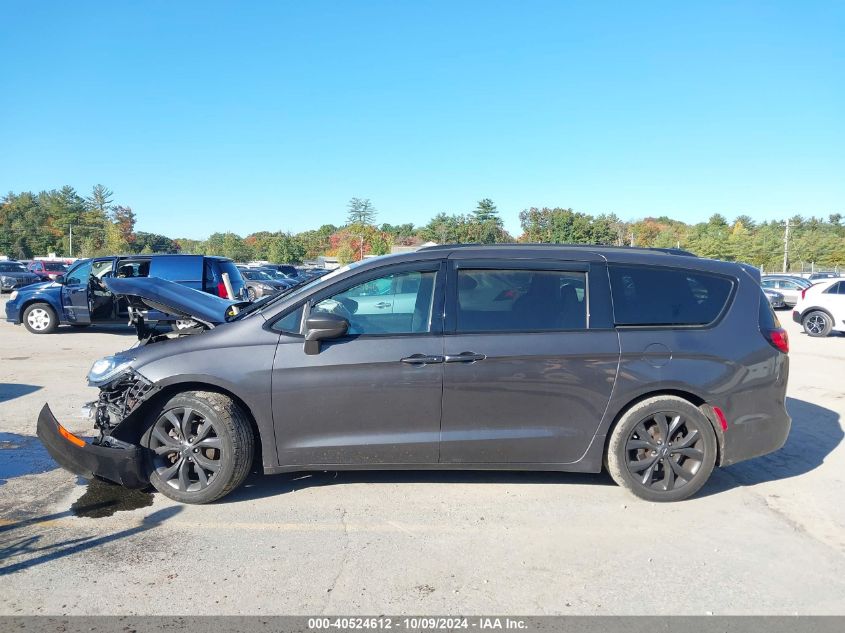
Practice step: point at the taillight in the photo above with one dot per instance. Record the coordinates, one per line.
(804, 293)
(778, 339)
(221, 290)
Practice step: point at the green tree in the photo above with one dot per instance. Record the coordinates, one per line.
(360, 211)
(286, 249)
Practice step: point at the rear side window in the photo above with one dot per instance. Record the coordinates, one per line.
(175, 268)
(520, 300)
(666, 296)
(837, 288)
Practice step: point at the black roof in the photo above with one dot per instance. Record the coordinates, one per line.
(595, 248)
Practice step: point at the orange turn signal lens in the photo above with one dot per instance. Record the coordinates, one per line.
(70, 437)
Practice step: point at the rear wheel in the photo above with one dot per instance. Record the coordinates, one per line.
(251, 295)
(662, 449)
(817, 323)
(201, 446)
(40, 318)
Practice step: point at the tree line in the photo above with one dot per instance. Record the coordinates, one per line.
(64, 222)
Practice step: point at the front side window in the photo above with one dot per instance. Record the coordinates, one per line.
(79, 274)
(520, 300)
(399, 303)
(645, 295)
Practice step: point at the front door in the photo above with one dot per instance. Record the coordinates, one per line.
(526, 379)
(75, 293)
(373, 396)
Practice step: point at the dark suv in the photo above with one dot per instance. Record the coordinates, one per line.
(656, 365)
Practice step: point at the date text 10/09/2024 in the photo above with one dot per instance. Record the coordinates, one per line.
(417, 623)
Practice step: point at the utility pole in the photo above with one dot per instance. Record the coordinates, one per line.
(70, 238)
(786, 248)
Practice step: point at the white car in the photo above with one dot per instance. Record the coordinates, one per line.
(821, 308)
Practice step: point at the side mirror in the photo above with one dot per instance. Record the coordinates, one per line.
(323, 326)
(59, 279)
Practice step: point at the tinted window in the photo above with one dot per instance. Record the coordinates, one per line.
(837, 288)
(520, 300)
(767, 317)
(79, 274)
(665, 296)
(178, 268)
(54, 266)
(399, 303)
(12, 268)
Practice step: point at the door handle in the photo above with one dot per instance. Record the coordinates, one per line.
(422, 359)
(465, 357)
(383, 304)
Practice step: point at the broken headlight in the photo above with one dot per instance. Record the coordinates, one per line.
(107, 368)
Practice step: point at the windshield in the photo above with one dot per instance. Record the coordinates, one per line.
(12, 268)
(257, 275)
(267, 301)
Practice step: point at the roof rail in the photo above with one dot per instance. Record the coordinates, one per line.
(642, 249)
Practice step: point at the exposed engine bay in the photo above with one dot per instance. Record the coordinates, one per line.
(117, 401)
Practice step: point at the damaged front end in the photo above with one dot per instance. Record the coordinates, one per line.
(114, 455)
(107, 456)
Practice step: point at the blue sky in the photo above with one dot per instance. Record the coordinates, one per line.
(207, 116)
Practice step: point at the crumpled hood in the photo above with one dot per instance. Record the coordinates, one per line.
(171, 298)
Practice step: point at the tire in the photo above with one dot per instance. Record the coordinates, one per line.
(40, 318)
(250, 293)
(649, 468)
(216, 458)
(817, 323)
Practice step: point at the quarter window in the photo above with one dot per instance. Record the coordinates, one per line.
(520, 300)
(400, 303)
(291, 323)
(666, 296)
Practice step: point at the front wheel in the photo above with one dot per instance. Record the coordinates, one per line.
(817, 323)
(662, 449)
(40, 318)
(201, 446)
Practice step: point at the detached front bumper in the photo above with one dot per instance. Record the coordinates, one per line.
(122, 465)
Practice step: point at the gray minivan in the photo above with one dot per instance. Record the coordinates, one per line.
(656, 365)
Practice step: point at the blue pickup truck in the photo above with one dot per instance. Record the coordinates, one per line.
(80, 297)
